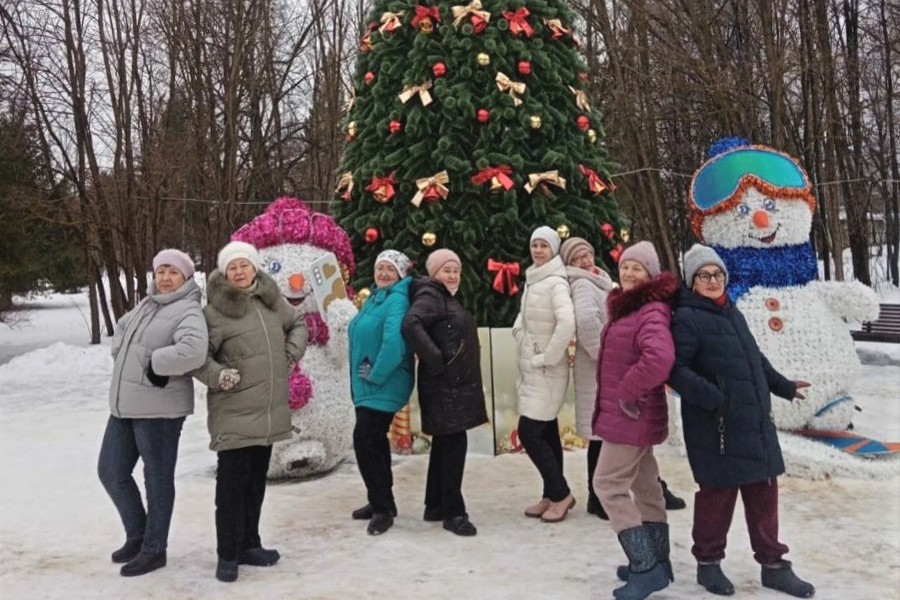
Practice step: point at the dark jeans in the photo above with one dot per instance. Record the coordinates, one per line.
(240, 491)
(714, 508)
(155, 442)
(373, 456)
(443, 487)
(544, 448)
(593, 454)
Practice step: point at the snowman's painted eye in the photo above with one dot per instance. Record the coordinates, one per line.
(743, 209)
(769, 205)
(274, 266)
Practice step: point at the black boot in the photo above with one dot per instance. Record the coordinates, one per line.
(659, 534)
(673, 502)
(128, 551)
(227, 570)
(364, 513)
(258, 557)
(143, 563)
(646, 574)
(780, 576)
(379, 523)
(711, 577)
(460, 526)
(595, 508)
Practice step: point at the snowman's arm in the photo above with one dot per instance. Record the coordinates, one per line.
(848, 299)
(339, 314)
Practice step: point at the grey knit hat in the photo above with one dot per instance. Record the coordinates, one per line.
(699, 256)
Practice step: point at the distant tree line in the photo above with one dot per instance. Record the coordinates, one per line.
(129, 126)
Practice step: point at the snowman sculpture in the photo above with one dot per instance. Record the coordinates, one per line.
(290, 238)
(754, 206)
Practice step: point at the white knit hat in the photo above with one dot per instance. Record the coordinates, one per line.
(233, 251)
(175, 258)
(396, 259)
(548, 235)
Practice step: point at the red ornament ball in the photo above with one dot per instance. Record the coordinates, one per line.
(371, 235)
(395, 126)
(608, 230)
(439, 69)
(369, 77)
(583, 122)
(483, 115)
(524, 67)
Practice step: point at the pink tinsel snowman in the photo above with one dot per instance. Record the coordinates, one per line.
(290, 236)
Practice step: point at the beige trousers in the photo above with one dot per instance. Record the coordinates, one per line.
(622, 469)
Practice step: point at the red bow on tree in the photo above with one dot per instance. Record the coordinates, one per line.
(505, 281)
(502, 174)
(518, 21)
(382, 188)
(423, 12)
(595, 184)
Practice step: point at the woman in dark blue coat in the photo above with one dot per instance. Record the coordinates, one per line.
(726, 384)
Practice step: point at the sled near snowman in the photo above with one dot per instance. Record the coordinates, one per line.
(754, 205)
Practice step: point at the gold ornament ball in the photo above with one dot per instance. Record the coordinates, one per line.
(592, 136)
(483, 59)
(563, 232)
(429, 239)
(534, 121)
(624, 234)
(351, 128)
(361, 296)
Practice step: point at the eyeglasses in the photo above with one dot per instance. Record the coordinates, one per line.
(705, 276)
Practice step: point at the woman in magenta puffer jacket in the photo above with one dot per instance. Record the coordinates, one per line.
(631, 416)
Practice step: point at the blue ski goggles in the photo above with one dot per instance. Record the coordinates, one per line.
(720, 178)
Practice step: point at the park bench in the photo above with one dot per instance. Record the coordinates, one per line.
(886, 328)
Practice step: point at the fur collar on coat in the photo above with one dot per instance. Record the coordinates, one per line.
(233, 302)
(620, 303)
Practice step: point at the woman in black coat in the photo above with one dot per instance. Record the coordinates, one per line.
(725, 384)
(445, 338)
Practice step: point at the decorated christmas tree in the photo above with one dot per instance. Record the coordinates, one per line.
(470, 126)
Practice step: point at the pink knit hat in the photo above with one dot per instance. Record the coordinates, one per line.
(645, 254)
(438, 259)
(175, 258)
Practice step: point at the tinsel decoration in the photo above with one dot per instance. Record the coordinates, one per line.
(749, 267)
(301, 389)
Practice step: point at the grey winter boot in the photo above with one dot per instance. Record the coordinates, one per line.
(645, 573)
(710, 576)
(659, 533)
(780, 576)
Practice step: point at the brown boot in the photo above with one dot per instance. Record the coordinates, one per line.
(558, 510)
(536, 511)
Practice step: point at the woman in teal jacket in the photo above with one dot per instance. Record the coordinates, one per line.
(381, 380)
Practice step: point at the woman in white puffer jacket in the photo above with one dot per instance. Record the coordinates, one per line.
(543, 329)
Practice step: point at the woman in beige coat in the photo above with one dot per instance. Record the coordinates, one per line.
(542, 331)
(254, 337)
(590, 286)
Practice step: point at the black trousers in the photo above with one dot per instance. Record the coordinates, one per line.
(446, 463)
(593, 454)
(240, 490)
(373, 457)
(544, 448)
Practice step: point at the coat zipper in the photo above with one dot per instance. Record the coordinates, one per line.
(271, 374)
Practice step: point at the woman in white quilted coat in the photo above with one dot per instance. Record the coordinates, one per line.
(543, 329)
(590, 286)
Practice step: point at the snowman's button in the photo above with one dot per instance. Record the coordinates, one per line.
(772, 304)
(776, 324)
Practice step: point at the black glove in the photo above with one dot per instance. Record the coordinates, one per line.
(157, 380)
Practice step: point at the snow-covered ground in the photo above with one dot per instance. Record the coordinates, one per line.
(57, 526)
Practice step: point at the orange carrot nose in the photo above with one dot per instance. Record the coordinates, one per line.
(761, 219)
(296, 282)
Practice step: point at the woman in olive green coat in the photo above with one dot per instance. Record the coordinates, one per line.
(254, 338)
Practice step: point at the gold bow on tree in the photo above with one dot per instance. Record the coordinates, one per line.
(421, 90)
(432, 189)
(473, 8)
(391, 21)
(514, 88)
(542, 179)
(559, 30)
(581, 99)
(345, 185)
